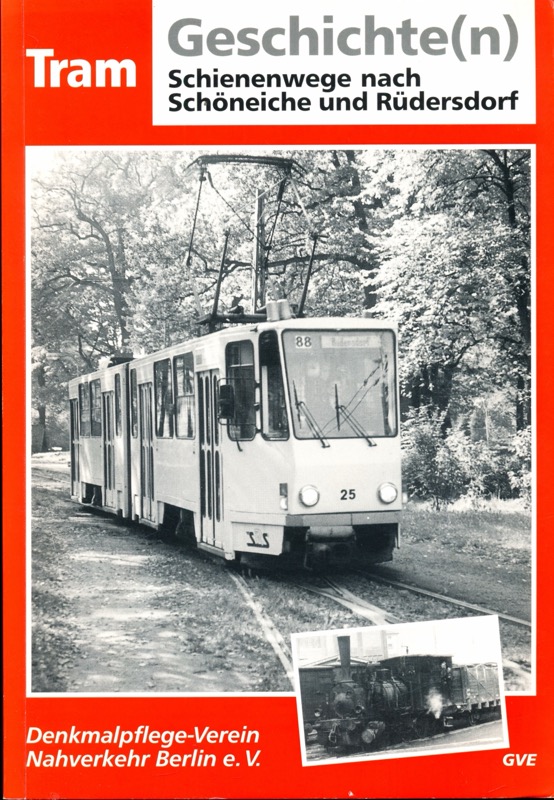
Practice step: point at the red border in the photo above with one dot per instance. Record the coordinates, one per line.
(13, 316)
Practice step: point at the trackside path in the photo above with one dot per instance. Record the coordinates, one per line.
(116, 609)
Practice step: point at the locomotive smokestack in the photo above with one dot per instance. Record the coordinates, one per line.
(344, 655)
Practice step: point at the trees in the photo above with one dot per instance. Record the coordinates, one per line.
(438, 240)
(455, 274)
(85, 222)
(85, 216)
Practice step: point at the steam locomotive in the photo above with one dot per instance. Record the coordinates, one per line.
(396, 699)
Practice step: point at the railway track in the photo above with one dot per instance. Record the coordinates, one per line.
(330, 590)
(333, 590)
(450, 600)
(340, 594)
(273, 636)
(277, 604)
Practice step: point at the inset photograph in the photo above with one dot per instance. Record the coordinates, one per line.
(393, 691)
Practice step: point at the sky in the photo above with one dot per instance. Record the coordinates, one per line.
(468, 640)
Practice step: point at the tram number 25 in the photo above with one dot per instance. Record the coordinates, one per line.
(347, 494)
(254, 539)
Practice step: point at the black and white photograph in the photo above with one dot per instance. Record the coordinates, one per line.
(277, 391)
(422, 688)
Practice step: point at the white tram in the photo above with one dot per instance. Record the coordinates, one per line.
(276, 440)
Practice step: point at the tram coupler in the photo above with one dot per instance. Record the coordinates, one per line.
(329, 546)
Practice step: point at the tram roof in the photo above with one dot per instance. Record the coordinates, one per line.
(241, 331)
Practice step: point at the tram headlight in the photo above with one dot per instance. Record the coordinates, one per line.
(284, 496)
(388, 492)
(309, 495)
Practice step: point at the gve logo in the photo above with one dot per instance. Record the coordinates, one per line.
(520, 760)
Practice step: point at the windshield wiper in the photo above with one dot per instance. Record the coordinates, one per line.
(350, 419)
(310, 419)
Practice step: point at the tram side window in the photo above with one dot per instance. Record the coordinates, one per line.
(95, 408)
(183, 367)
(134, 403)
(117, 384)
(274, 411)
(84, 410)
(164, 399)
(239, 360)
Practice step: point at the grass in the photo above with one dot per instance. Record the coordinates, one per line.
(465, 529)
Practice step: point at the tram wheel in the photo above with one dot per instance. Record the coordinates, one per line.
(184, 532)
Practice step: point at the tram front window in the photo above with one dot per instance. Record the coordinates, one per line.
(342, 384)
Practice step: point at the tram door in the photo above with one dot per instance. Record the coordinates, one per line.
(146, 452)
(108, 445)
(211, 493)
(74, 426)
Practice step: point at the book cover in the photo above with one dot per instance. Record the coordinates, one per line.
(276, 439)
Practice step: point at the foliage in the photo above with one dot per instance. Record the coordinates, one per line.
(519, 473)
(432, 466)
(455, 275)
(443, 468)
(437, 240)
(484, 468)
